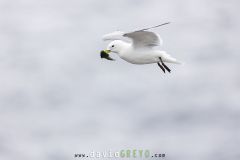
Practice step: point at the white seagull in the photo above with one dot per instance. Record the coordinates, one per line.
(140, 49)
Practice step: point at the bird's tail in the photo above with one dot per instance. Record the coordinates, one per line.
(169, 59)
(177, 62)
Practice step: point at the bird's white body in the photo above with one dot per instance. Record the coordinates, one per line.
(138, 47)
(145, 55)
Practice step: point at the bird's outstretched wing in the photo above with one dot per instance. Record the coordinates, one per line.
(140, 38)
(117, 35)
(144, 38)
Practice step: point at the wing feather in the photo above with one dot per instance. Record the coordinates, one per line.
(140, 38)
(143, 38)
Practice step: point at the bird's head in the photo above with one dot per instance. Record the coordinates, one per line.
(115, 46)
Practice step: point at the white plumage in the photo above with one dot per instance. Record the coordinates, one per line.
(138, 47)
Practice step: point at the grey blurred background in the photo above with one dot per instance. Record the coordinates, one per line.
(57, 97)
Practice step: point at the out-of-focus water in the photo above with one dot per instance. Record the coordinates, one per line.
(57, 97)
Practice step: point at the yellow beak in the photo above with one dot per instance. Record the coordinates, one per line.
(107, 51)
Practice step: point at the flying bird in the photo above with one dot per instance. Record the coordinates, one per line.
(138, 47)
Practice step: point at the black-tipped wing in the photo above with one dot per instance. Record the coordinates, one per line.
(140, 38)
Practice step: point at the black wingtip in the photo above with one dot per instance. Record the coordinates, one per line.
(155, 26)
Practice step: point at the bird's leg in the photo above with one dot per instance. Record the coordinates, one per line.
(161, 67)
(166, 67)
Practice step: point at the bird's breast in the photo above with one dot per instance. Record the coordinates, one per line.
(138, 58)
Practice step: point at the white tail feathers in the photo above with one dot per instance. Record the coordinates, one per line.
(170, 59)
(178, 62)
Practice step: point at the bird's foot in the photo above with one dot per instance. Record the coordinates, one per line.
(166, 67)
(161, 67)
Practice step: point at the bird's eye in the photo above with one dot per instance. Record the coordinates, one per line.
(112, 45)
